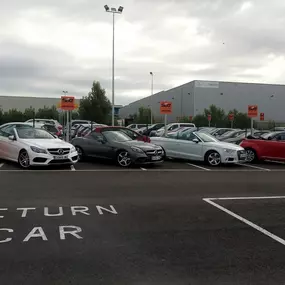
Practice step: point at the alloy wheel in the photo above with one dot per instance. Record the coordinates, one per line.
(214, 159)
(24, 159)
(250, 155)
(124, 159)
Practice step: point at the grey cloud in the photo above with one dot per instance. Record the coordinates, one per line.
(239, 43)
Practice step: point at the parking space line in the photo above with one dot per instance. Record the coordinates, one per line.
(247, 222)
(143, 169)
(200, 167)
(1, 165)
(255, 167)
(72, 168)
(248, 198)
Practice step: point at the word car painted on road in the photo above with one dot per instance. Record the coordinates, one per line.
(8, 234)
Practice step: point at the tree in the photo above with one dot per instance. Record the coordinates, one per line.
(142, 116)
(47, 113)
(95, 106)
(29, 113)
(217, 116)
(200, 121)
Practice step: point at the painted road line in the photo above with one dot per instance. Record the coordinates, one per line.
(143, 169)
(247, 222)
(200, 167)
(72, 168)
(1, 165)
(248, 198)
(255, 167)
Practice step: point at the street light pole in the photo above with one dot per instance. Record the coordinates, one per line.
(151, 73)
(113, 11)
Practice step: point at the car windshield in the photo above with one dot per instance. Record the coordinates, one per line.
(206, 137)
(117, 136)
(31, 133)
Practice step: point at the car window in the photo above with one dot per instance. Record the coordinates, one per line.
(187, 136)
(279, 137)
(173, 127)
(7, 130)
(95, 136)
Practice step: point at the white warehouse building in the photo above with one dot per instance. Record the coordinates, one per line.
(192, 98)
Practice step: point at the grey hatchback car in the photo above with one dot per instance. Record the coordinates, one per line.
(117, 146)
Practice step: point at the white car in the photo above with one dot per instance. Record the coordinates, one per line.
(200, 147)
(34, 147)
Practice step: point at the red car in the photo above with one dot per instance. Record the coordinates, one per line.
(132, 134)
(271, 148)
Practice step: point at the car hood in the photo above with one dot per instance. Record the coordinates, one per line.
(47, 143)
(224, 145)
(142, 145)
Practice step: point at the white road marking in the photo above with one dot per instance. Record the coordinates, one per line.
(1, 165)
(200, 167)
(72, 168)
(248, 198)
(143, 169)
(249, 223)
(255, 167)
(139, 170)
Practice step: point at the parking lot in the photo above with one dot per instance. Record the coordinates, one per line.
(169, 165)
(174, 223)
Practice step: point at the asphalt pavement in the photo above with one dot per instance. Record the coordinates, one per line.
(99, 224)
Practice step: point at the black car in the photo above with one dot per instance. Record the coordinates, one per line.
(118, 146)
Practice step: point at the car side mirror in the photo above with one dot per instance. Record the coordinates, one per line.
(195, 140)
(12, 138)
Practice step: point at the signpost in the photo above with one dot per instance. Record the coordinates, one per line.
(209, 119)
(165, 109)
(261, 117)
(231, 118)
(252, 112)
(67, 103)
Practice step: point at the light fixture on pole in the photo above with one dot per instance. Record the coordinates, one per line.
(113, 11)
(151, 73)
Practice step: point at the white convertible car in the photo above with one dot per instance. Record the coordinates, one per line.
(29, 146)
(200, 147)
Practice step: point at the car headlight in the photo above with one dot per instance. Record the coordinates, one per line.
(136, 149)
(229, 151)
(73, 149)
(38, 150)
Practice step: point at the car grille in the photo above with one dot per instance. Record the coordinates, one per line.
(241, 154)
(154, 152)
(58, 151)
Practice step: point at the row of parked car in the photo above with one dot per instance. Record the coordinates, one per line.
(27, 145)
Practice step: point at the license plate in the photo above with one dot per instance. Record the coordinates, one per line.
(60, 157)
(156, 158)
(243, 155)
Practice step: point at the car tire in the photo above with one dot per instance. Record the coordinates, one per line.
(251, 155)
(80, 152)
(23, 159)
(213, 158)
(123, 158)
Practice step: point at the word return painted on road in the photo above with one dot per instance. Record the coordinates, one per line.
(37, 232)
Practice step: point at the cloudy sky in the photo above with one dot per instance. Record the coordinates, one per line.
(47, 46)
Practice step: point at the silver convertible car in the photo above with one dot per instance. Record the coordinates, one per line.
(200, 147)
(117, 146)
